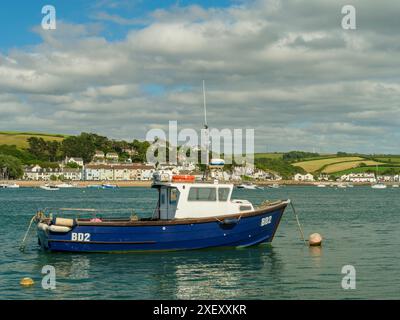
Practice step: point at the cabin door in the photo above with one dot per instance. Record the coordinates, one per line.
(168, 201)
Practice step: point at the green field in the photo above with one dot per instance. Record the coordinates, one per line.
(20, 139)
(319, 164)
(347, 165)
(389, 159)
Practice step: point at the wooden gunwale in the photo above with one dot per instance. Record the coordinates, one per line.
(128, 223)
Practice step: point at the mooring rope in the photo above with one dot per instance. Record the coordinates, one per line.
(298, 223)
(22, 246)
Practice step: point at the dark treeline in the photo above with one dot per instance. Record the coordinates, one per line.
(298, 155)
(84, 146)
(47, 153)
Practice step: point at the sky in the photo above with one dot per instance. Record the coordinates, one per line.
(285, 68)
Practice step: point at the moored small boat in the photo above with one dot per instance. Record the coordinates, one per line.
(65, 186)
(109, 186)
(9, 186)
(248, 186)
(379, 186)
(187, 216)
(49, 187)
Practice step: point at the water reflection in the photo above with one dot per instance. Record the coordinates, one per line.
(316, 255)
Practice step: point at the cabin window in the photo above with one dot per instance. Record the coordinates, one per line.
(202, 194)
(162, 198)
(223, 194)
(245, 208)
(173, 197)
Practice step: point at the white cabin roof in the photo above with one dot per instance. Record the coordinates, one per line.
(180, 200)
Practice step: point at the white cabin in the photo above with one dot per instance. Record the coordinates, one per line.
(180, 200)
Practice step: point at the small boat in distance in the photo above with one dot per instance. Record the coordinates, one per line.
(65, 186)
(9, 186)
(395, 186)
(275, 186)
(109, 186)
(321, 185)
(248, 186)
(49, 187)
(94, 186)
(379, 186)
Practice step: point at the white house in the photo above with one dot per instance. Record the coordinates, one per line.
(303, 177)
(99, 157)
(112, 157)
(78, 161)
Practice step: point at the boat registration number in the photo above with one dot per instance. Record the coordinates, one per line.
(265, 221)
(82, 237)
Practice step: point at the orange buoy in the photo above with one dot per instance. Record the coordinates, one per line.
(183, 178)
(26, 282)
(315, 239)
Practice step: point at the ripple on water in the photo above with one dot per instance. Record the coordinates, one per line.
(359, 227)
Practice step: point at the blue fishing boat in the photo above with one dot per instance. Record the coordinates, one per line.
(188, 216)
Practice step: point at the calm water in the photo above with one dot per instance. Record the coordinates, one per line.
(360, 226)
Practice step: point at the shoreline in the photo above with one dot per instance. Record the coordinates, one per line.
(135, 183)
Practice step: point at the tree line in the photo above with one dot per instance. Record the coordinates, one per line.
(47, 153)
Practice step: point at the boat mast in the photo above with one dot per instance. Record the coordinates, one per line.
(205, 174)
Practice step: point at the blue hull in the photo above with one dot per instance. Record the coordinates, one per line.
(233, 231)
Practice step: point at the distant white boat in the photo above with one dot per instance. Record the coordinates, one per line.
(342, 186)
(109, 186)
(395, 186)
(94, 186)
(12, 186)
(64, 185)
(247, 186)
(275, 186)
(379, 186)
(9, 186)
(321, 185)
(48, 187)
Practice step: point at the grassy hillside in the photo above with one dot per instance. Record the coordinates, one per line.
(20, 139)
(319, 164)
(341, 166)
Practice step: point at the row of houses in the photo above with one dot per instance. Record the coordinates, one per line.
(37, 173)
(369, 178)
(364, 177)
(91, 172)
(118, 172)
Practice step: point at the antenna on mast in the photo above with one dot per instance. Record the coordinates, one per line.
(205, 105)
(207, 142)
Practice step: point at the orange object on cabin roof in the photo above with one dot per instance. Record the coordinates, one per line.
(183, 178)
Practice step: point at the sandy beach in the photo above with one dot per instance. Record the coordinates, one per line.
(122, 184)
(34, 184)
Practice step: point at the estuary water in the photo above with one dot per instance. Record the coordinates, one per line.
(360, 226)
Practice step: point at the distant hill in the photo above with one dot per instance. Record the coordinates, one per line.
(20, 139)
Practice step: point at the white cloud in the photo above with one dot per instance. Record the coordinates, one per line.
(285, 68)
